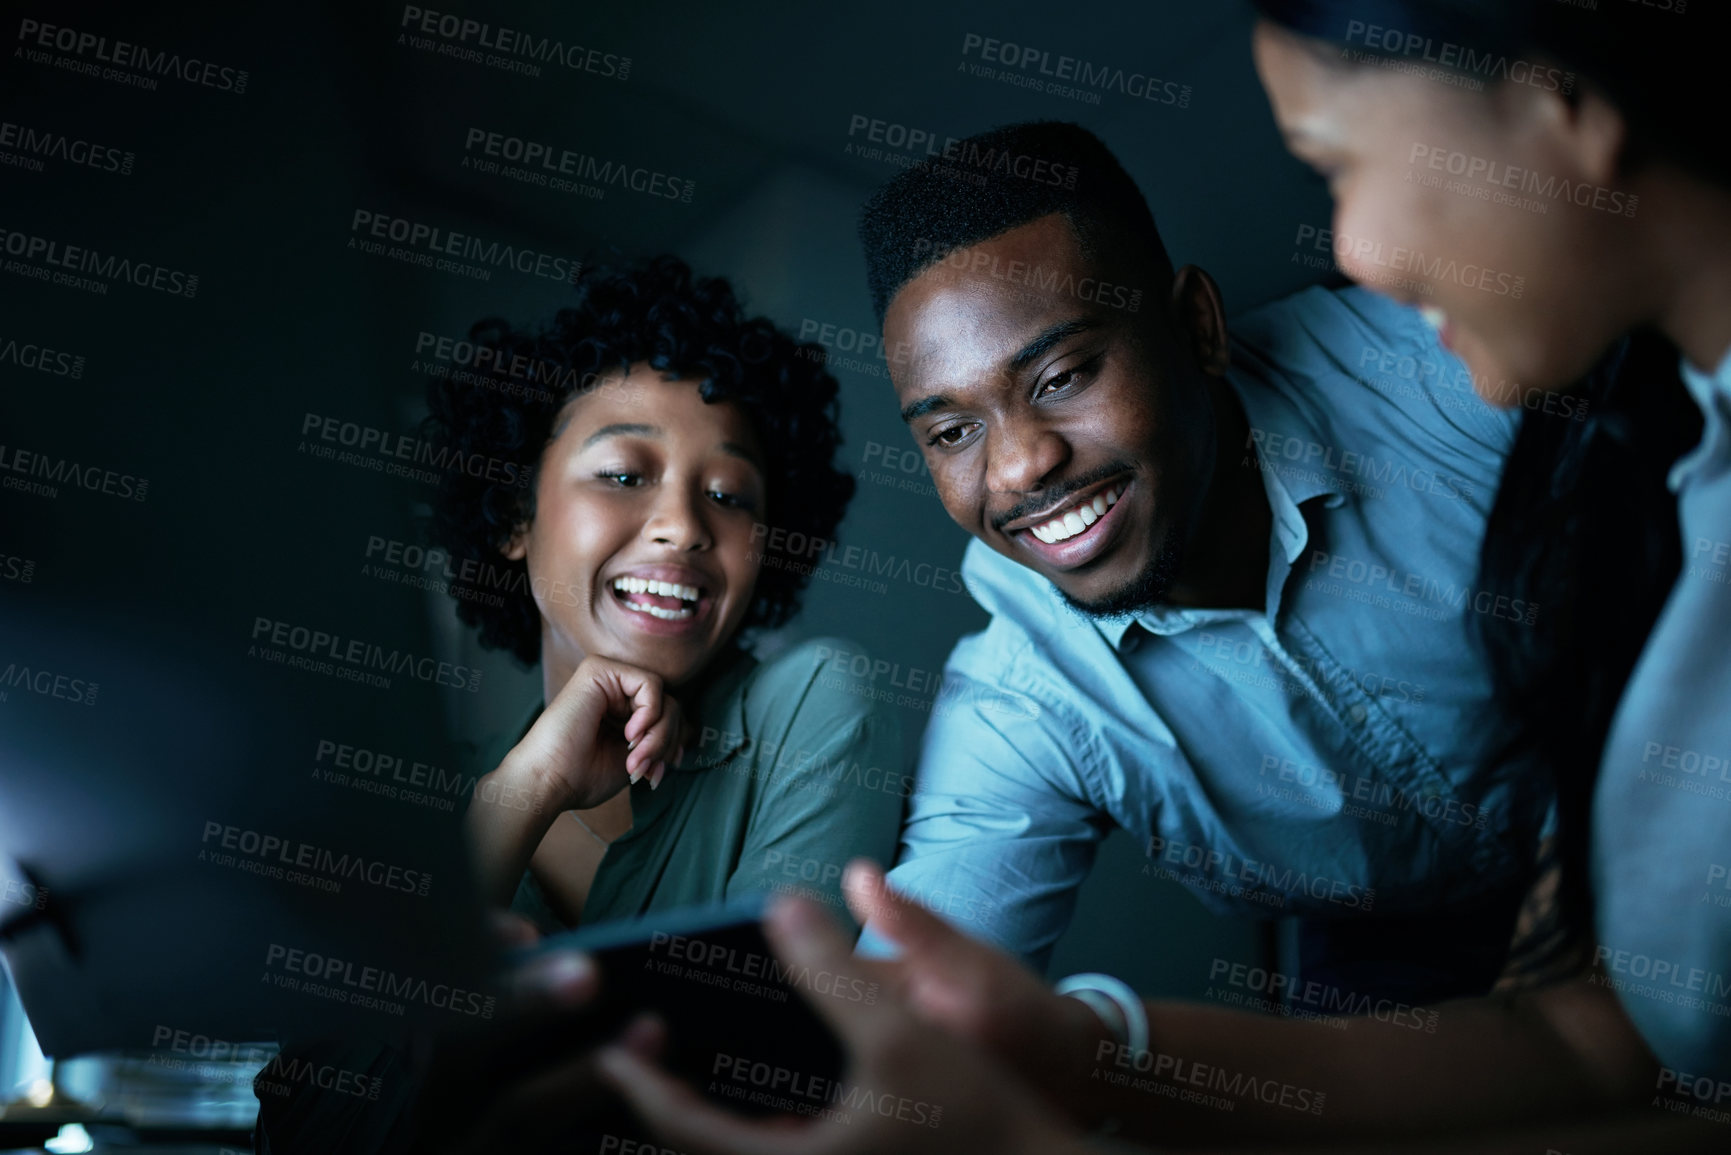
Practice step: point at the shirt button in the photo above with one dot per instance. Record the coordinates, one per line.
(1356, 713)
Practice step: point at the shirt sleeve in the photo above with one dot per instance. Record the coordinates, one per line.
(1662, 809)
(1387, 373)
(837, 789)
(1002, 832)
(1405, 359)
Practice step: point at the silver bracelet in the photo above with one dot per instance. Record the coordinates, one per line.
(1119, 1007)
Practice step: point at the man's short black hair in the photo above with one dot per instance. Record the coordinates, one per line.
(996, 181)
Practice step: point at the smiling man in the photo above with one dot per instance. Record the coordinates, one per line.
(1230, 579)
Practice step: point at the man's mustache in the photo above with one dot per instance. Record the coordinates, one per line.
(1058, 494)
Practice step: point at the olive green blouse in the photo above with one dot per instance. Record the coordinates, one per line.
(796, 769)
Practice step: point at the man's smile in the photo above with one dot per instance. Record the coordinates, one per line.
(1075, 515)
(1076, 531)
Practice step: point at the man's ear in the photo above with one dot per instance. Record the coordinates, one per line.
(1579, 122)
(517, 548)
(1200, 318)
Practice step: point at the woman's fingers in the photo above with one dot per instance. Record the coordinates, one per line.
(511, 930)
(958, 982)
(652, 718)
(905, 922)
(561, 979)
(659, 744)
(870, 899)
(578, 735)
(635, 693)
(806, 938)
(657, 739)
(644, 1037)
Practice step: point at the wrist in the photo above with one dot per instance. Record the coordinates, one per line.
(1084, 1045)
(523, 782)
(1109, 1022)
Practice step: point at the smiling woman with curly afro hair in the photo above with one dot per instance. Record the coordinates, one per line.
(615, 473)
(655, 312)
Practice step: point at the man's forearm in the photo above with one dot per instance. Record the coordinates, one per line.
(1215, 1077)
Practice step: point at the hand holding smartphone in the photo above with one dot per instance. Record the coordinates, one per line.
(738, 1025)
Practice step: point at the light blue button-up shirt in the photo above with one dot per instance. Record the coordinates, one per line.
(1320, 754)
(1662, 812)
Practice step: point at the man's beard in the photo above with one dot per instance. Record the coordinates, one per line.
(1146, 589)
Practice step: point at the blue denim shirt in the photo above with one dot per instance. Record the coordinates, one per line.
(1662, 813)
(1317, 755)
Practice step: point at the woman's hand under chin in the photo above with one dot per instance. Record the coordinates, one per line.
(611, 725)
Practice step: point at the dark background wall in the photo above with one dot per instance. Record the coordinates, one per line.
(760, 111)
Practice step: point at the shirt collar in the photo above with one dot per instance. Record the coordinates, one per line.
(1712, 392)
(1113, 629)
(1289, 483)
(1288, 486)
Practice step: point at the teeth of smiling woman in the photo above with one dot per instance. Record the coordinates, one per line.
(658, 612)
(1073, 522)
(631, 585)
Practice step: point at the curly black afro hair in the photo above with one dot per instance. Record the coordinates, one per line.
(653, 312)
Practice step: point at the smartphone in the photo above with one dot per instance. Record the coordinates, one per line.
(740, 1024)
